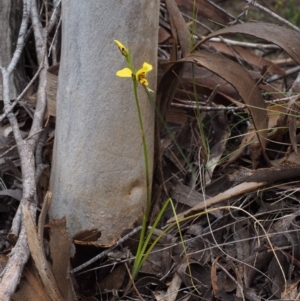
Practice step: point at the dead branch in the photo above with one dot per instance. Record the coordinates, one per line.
(40, 36)
(26, 147)
(9, 108)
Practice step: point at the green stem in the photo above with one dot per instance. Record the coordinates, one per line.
(141, 247)
(135, 84)
(139, 253)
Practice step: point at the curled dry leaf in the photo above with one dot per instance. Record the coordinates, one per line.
(30, 288)
(242, 82)
(287, 39)
(248, 56)
(196, 276)
(60, 249)
(178, 26)
(39, 257)
(170, 80)
(257, 179)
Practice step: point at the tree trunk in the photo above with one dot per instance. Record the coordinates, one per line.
(98, 173)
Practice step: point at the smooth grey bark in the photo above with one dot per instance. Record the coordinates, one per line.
(98, 173)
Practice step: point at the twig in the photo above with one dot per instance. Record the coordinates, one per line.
(205, 108)
(16, 226)
(212, 95)
(11, 275)
(21, 37)
(54, 16)
(40, 35)
(223, 10)
(284, 99)
(20, 253)
(104, 253)
(133, 284)
(9, 108)
(243, 13)
(53, 45)
(275, 16)
(279, 76)
(244, 44)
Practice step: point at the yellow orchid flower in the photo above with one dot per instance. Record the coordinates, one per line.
(140, 75)
(122, 48)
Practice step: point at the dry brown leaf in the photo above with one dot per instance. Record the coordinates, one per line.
(89, 238)
(220, 98)
(163, 35)
(51, 89)
(213, 276)
(114, 280)
(174, 288)
(159, 295)
(250, 57)
(287, 39)
(244, 84)
(185, 195)
(283, 120)
(258, 179)
(204, 78)
(43, 215)
(196, 276)
(179, 29)
(204, 9)
(170, 80)
(38, 255)
(30, 289)
(176, 116)
(227, 181)
(292, 158)
(60, 249)
(274, 113)
(167, 87)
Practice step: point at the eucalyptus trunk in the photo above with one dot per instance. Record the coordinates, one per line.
(98, 174)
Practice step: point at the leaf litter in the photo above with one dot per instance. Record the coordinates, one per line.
(227, 142)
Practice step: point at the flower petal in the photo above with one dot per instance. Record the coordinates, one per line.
(143, 81)
(126, 72)
(122, 48)
(147, 66)
(141, 74)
